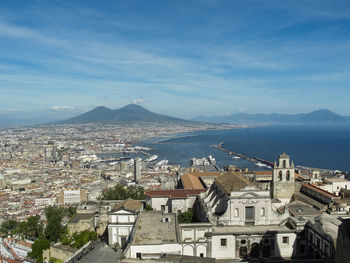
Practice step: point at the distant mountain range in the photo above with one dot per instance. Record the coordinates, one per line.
(131, 113)
(315, 117)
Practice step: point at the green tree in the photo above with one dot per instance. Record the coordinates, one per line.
(37, 249)
(9, 227)
(54, 228)
(34, 227)
(186, 217)
(119, 192)
(80, 239)
(148, 208)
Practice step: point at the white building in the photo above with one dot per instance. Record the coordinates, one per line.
(335, 184)
(121, 220)
(172, 201)
(239, 221)
(73, 196)
(44, 201)
(155, 233)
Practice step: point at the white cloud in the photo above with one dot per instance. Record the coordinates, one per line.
(62, 108)
(138, 101)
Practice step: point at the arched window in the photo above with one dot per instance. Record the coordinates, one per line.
(284, 163)
(262, 211)
(288, 176)
(280, 176)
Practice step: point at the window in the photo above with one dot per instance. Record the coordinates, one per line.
(311, 236)
(223, 242)
(302, 249)
(138, 255)
(162, 207)
(236, 212)
(288, 176)
(284, 163)
(285, 240)
(346, 186)
(326, 247)
(280, 176)
(262, 211)
(249, 213)
(318, 242)
(337, 187)
(201, 255)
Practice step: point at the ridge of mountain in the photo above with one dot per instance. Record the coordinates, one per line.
(131, 113)
(322, 116)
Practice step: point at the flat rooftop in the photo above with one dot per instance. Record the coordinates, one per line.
(152, 228)
(79, 217)
(248, 230)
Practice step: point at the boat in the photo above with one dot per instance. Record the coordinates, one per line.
(236, 157)
(260, 164)
(211, 160)
(152, 158)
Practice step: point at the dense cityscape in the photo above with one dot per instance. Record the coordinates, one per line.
(106, 189)
(196, 131)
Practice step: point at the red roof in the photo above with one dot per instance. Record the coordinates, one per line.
(177, 193)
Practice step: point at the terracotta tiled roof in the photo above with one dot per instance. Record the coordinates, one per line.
(129, 204)
(177, 193)
(233, 182)
(190, 181)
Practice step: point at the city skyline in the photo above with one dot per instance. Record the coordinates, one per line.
(177, 58)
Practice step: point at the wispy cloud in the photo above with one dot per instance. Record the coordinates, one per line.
(62, 108)
(220, 57)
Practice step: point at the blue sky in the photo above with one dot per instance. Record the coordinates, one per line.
(182, 58)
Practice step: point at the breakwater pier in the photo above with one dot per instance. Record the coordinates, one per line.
(256, 160)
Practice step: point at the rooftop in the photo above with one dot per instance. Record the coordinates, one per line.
(337, 180)
(130, 204)
(79, 217)
(233, 182)
(298, 208)
(321, 191)
(151, 228)
(176, 193)
(191, 180)
(244, 230)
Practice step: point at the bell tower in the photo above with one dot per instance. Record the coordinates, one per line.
(283, 179)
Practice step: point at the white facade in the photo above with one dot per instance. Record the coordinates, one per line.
(153, 251)
(158, 203)
(171, 204)
(71, 196)
(44, 201)
(333, 185)
(120, 225)
(194, 242)
(249, 205)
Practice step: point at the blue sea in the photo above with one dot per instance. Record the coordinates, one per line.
(323, 147)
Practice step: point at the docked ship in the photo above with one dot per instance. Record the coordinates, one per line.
(152, 158)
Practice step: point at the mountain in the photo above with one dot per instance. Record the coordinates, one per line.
(316, 117)
(131, 113)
